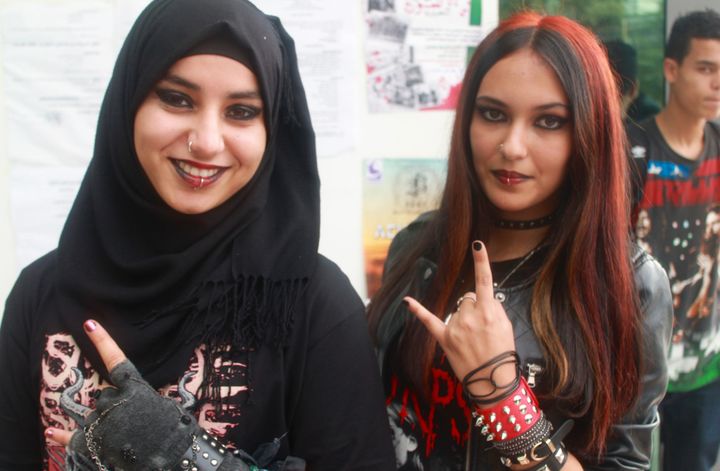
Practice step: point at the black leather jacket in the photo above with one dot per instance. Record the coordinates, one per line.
(630, 444)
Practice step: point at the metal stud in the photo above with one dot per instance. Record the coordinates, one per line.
(214, 462)
(498, 427)
(524, 393)
(205, 436)
(517, 399)
(517, 427)
(506, 409)
(222, 451)
(534, 409)
(528, 418)
(484, 430)
(185, 464)
(522, 408)
(503, 436)
(490, 437)
(506, 461)
(213, 444)
(492, 417)
(206, 455)
(500, 296)
(512, 419)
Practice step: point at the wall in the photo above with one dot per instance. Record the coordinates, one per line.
(403, 135)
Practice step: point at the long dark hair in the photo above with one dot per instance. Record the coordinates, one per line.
(584, 305)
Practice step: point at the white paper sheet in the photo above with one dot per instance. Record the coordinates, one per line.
(40, 199)
(325, 34)
(56, 62)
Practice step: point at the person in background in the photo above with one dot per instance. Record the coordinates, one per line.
(187, 276)
(521, 305)
(677, 157)
(636, 105)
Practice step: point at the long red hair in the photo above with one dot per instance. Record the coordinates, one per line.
(584, 306)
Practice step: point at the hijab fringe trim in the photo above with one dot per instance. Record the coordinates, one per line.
(251, 312)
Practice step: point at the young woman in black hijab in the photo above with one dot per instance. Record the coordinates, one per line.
(193, 241)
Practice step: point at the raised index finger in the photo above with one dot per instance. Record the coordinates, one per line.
(109, 351)
(483, 275)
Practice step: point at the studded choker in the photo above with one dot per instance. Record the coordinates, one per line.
(521, 225)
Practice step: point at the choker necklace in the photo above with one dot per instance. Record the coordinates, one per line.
(531, 224)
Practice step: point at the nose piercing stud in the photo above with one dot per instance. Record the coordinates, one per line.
(189, 144)
(501, 147)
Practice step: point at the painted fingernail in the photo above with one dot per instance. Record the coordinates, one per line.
(477, 246)
(90, 325)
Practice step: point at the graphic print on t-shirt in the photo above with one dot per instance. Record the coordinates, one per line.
(433, 434)
(679, 224)
(218, 408)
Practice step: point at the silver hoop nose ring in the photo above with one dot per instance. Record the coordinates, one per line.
(189, 145)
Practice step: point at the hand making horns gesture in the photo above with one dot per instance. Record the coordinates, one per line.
(477, 332)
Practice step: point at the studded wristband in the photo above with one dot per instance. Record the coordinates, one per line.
(551, 453)
(204, 454)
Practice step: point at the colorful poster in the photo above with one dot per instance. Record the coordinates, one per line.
(417, 50)
(395, 192)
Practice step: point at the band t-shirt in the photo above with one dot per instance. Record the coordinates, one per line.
(677, 220)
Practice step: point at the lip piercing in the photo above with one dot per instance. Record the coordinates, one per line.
(189, 145)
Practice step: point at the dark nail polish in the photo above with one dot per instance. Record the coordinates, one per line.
(477, 246)
(90, 325)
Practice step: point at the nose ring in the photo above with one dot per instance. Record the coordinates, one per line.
(501, 148)
(189, 145)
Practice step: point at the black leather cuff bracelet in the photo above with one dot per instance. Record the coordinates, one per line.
(550, 454)
(205, 454)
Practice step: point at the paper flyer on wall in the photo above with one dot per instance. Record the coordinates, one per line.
(395, 192)
(40, 200)
(326, 43)
(416, 52)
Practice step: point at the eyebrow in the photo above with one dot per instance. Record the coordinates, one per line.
(706, 62)
(177, 80)
(495, 101)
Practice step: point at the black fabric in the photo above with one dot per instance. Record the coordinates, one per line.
(306, 393)
(162, 282)
(440, 422)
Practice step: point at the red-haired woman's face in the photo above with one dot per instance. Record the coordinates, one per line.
(521, 136)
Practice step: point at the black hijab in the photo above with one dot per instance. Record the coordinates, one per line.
(163, 282)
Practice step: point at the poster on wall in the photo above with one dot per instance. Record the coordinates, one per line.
(416, 52)
(325, 41)
(395, 192)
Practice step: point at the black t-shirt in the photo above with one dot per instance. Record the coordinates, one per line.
(306, 392)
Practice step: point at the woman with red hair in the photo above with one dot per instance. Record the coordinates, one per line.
(553, 355)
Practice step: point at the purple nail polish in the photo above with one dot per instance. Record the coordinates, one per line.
(90, 325)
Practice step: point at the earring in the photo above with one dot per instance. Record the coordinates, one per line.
(189, 144)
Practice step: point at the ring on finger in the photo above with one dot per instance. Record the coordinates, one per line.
(447, 319)
(464, 297)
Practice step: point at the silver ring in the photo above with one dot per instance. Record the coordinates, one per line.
(464, 297)
(447, 319)
(189, 145)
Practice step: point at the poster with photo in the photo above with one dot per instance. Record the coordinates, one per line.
(416, 52)
(395, 192)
